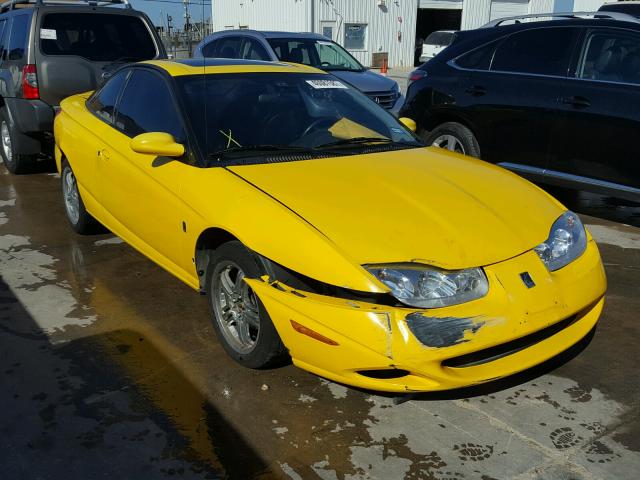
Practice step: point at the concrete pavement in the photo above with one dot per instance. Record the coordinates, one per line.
(111, 369)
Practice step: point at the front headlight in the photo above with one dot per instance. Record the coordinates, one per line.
(567, 240)
(425, 287)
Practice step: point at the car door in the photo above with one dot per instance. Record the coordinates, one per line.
(597, 134)
(140, 192)
(512, 101)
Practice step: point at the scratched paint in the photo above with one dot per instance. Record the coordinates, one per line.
(442, 331)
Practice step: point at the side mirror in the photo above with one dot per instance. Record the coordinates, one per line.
(410, 124)
(157, 143)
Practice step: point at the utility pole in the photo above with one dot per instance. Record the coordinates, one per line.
(187, 25)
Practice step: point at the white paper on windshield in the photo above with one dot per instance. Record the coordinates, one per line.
(324, 42)
(326, 84)
(48, 34)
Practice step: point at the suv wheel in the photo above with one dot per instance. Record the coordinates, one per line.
(14, 162)
(455, 137)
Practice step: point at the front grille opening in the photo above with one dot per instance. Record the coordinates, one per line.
(384, 374)
(494, 353)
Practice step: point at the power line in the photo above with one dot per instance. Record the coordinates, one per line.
(177, 2)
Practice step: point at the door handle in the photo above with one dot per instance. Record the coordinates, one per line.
(104, 154)
(476, 90)
(575, 101)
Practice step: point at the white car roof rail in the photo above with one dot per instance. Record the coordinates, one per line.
(15, 4)
(566, 15)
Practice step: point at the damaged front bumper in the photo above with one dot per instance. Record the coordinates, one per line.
(514, 327)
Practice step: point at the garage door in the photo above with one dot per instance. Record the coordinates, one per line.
(508, 8)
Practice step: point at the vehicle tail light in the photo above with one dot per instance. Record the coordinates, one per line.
(30, 82)
(416, 75)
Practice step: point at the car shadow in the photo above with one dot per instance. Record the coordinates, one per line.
(109, 405)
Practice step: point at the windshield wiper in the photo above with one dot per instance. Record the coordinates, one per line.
(252, 150)
(356, 141)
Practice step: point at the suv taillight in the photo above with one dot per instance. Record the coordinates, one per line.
(416, 75)
(30, 82)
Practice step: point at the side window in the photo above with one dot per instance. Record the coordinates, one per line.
(18, 38)
(254, 51)
(478, 59)
(147, 106)
(103, 102)
(543, 51)
(228, 47)
(3, 28)
(209, 50)
(611, 56)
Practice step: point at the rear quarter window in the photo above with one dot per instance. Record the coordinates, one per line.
(18, 38)
(97, 37)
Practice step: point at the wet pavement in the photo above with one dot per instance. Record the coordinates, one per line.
(109, 368)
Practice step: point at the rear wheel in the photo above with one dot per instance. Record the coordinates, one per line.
(15, 163)
(241, 322)
(81, 220)
(455, 137)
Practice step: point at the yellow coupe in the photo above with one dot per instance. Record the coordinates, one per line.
(322, 230)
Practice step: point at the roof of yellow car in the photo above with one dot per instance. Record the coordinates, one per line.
(195, 66)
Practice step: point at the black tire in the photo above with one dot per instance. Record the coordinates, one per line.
(15, 163)
(82, 221)
(466, 139)
(268, 350)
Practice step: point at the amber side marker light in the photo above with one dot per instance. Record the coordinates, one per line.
(310, 333)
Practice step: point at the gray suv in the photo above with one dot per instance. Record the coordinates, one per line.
(51, 50)
(306, 48)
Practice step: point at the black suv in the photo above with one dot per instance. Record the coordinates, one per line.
(555, 100)
(51, 50)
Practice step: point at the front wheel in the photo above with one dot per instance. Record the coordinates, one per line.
(241, 322)
(455, 137)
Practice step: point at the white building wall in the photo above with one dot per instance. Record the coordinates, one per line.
(288, 15)
(391, 28)
(587, 5)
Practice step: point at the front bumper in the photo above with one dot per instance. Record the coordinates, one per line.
(368, 338)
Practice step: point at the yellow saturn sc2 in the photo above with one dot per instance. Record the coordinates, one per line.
(322, 230)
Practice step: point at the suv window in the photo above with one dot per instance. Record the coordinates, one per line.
(3, 50)
(612, 56)
(147, 106)
(103, 102)
(228, 47)
(254, 51)
(478, 59)
(209, 49)
(543, 51)
(18, 38)
(101, 38)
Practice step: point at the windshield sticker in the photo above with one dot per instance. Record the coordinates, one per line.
(48, 34)
(324, 42)
(326, 84)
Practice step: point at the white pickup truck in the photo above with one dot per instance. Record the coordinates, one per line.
(435, 43)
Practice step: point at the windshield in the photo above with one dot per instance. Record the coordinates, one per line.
(439, 38)
(97, 37)
(323, 54)
(244, 115)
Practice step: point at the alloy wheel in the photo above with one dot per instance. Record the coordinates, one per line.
(71, 196)
(7, 148)
(449, 142)
(235, 307)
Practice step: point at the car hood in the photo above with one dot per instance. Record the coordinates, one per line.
(421, 205)
(366, 81)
